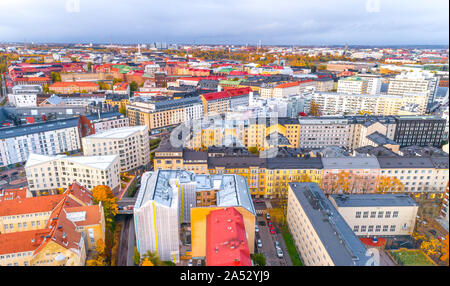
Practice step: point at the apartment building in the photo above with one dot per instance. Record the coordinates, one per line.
(22, 99)
(130, 143)
(361, 84)
(221, 102)
(420, 130)
(320, 233)
(377, 215)
(53, 137)
(74, 87)
(414, 83)
(54, 230)
(162, 114)
(48, 173)
(342, 104)
(167, 198)
(320, 132)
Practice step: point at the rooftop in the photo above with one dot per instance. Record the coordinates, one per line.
(374, 200)
(118, 133)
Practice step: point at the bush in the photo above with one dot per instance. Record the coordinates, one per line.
(290, 245)
(116, 244)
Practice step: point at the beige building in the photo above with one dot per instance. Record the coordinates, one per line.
(130, 143)
(377, 214)
(48, 173)
(320, 233)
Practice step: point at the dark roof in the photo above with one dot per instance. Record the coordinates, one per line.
(381, 139)
(374, 200)
(190, 155)
(294, 163)
(236, 162)
(169, 104)
(279, 120)
(404, 162)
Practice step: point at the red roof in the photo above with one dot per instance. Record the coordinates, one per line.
(227, 93)
(226, 239)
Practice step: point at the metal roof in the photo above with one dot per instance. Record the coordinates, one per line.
(374, 200)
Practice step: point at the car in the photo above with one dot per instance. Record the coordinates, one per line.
(270, 224)
(259, 201)
(432, 231)
(277, 244)
(189, 262)
(262, 223)
(279, 252)
(199, 262)
(272, 231)
(259, 243)
(256, 228)
(268, 216)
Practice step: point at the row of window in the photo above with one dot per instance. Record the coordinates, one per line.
(370, 228)
(373, 214)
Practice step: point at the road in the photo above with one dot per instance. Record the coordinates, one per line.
(268, 241)
(127, 242)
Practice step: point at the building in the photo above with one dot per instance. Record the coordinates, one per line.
(419, 130)
(49, 173)
(320, 233)
(130, 143)
(226, 239)
(381, 215)
(168, 198)
(74, 87)
(54, 230)
(221, 102)
(361, 84)
(163, 114)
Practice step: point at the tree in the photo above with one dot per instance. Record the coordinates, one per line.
(116, 80)
(103, 194)
(103, 86)
(150, 256)
(136, 256)
(100, 247)
(444, 249)
(253, 150)
(133, 86)
(259, 259)
(89, 67)
(314, 109)
(45, 88)
(56, 76)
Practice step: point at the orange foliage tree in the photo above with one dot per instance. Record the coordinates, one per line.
(389, 185)
(104, 195)
(314, 109)
(444, 249)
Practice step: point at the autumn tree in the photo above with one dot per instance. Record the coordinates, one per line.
(314, 109)
(136, 256)
(147, 262)
(387, 184)
(444, 249)
(103, 194)
(56, 76)
(99, 257)
(153, 258)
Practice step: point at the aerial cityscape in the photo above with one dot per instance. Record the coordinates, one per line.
(245, 133)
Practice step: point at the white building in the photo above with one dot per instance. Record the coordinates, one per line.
(48, 173)
(130, 143)
(361, 84)
(22, 99)
(377, 214)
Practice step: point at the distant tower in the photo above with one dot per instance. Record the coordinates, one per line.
(187, 53)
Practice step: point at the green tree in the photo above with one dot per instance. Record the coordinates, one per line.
(89, 66)
(56, 76)
(259, 259)
(152, 258)
(133, 86)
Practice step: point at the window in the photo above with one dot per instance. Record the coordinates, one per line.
(385, 227)
(370, 229)
(380, 214)
(358, 215)
(356, 228)
(365, 214)
(392, 228)
(395, 214)
(373, 214)
(378, 228)
(388, 214)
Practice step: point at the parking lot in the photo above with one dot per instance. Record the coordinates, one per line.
(268, 239)
(14, 178)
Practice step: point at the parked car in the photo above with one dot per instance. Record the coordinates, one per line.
(268, 216)
(259, 201)
(189, 262)
(259, 243)
(277, 244)
(270, 224)
(432, 231)
(279, 252)
(272, 231)
(256, 228)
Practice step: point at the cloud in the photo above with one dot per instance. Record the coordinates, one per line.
(226, 21)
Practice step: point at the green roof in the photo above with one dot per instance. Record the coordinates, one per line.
(230, 82)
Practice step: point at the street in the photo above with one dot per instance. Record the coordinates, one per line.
(127, 242)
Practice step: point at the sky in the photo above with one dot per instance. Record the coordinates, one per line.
(283, 22)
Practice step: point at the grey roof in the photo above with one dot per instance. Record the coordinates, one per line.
(169, 104)
(279, 120)
(166, 146)
(294, 163)
(374, 200)
(404, 162)
(339, 240)
(236, 162)
(190, 155)
(376, 151)
(350, 163)
(381, 139)
(54, 100)
(440, 162)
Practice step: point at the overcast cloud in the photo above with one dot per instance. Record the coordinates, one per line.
(299, 22)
